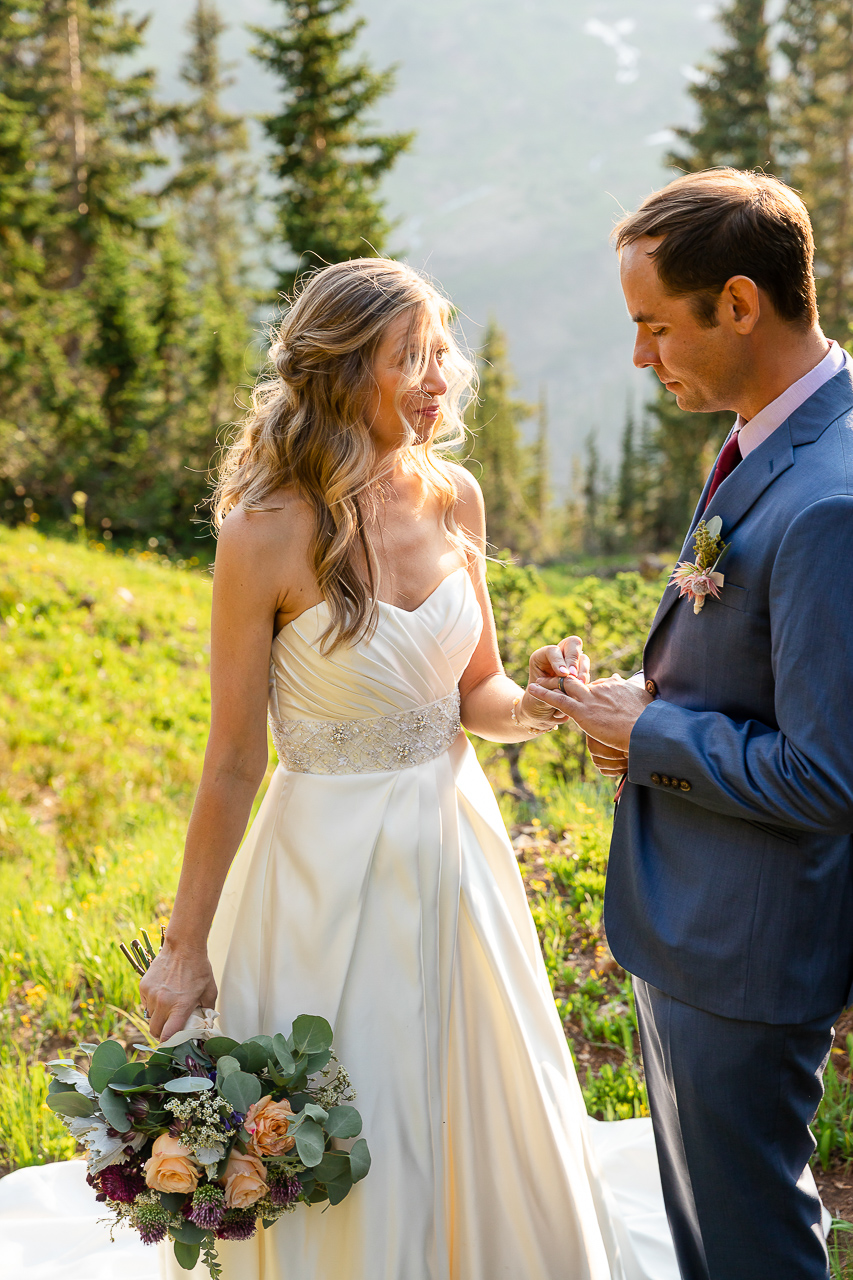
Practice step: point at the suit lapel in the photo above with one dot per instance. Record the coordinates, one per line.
(670, 595)
(759, 469)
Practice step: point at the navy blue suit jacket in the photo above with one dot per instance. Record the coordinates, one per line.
(730, 884)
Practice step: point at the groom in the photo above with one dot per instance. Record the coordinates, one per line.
(730, 888)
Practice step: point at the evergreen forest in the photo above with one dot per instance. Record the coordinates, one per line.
(144, 252)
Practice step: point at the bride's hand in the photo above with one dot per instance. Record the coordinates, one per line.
(547, 665)
(178, 981)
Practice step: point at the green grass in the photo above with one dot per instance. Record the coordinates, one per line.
(103, 722)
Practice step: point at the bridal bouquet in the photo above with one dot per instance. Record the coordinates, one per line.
(206, 1139)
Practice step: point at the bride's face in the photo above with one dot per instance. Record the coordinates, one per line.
(394, 394)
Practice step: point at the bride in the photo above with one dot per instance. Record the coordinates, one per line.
(377, 886)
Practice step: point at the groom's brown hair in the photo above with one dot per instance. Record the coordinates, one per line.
(726, 222)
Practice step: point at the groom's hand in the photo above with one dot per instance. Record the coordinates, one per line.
(606, 710)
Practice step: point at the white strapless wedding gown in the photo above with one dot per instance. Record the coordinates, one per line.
(377, 887)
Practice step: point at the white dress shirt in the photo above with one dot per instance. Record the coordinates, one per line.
(754, 432)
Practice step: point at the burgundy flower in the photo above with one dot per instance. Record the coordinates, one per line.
(284, 1190)
(237, 1224)
(121, 1182)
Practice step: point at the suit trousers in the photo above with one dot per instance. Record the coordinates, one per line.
(731, 1105)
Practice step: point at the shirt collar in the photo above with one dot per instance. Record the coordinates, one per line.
(754, 432)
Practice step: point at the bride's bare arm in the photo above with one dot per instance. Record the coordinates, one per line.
(488, 694)
(246, 596)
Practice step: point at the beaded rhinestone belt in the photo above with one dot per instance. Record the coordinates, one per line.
(378, 745)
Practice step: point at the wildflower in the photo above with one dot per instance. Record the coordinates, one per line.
(122, 1182)
(208, 1206)
(238, 1224)
(284, 1188)
(151, 1220)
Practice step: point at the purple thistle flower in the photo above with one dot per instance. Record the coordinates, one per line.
(238, 1224)
(207, 1207)
(284, 1191)
(151, 1221)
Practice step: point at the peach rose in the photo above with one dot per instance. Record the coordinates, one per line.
(171, 1167)
(245, 1180)
(268, 1123)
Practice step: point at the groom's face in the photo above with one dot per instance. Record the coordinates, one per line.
(702, 366)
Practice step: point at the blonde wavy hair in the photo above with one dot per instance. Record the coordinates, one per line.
(307, 428)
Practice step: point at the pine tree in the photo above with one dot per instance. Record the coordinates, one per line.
(328, 158)
(538, 495)
(817, 95)
(734, 128)
(214, 195)
(88, 399)
(497, 455)
(733, 97)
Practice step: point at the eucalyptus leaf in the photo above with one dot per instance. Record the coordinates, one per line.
(252, 1056)
(339, 1190)
(315, 1113)
(315, 1062)
(310, 1143)
(186, 1255)
(359, 1159)
(282, 1052)
(343, 1122)
(241, 1090)
(106, 1060)
(265, 1042)
(87, 1047)
(334, 1165)
(115, 1110)
(276, 1076)
(60, 1086)
(188, 1084)
(311, 1034)
(70, 1103)
(218, 1046)
(225, 1066)
(172, 1200)
(714, 526)
(129, 1073)
(188, 1232)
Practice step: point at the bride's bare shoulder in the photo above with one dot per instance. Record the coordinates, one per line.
(264, 551)
(283, 523)
(470, 511)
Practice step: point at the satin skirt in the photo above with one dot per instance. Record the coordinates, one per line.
(392, 904)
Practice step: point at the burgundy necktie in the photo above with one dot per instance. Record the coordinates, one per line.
(729, 457)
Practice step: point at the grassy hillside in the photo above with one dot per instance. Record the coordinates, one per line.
(103, 721)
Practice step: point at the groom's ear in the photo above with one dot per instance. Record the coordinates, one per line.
(739, 304)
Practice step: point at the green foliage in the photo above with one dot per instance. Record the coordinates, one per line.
(733, 97)
(30, 1133)
(497, 457)
(680, 451)
(113, 378)
(329, 159)
(833, 1128)
(816, 98)
(78, 874)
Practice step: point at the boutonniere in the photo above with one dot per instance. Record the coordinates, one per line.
(702, 578)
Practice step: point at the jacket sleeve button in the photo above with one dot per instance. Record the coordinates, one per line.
(656, 779)
(665, 779)
(685, 785)
(651, 688)
(675, 782)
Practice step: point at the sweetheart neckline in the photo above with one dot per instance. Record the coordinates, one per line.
(386, 603)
